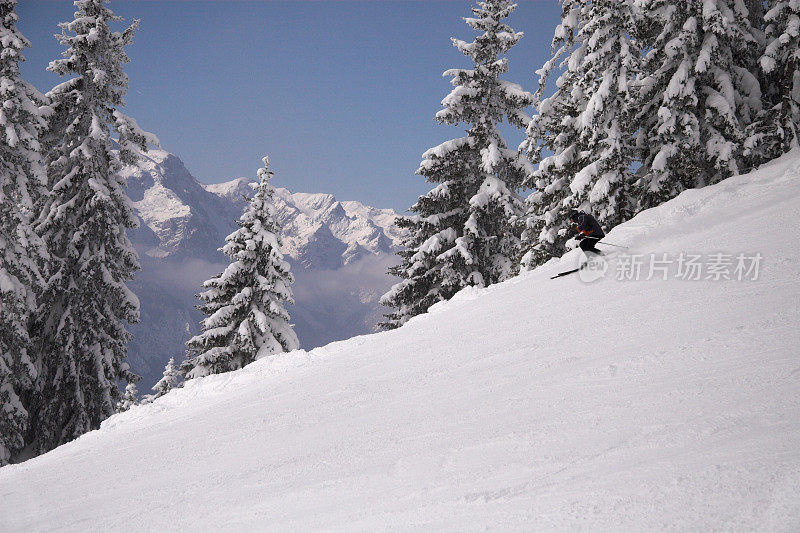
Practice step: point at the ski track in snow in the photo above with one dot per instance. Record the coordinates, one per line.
(535, 404)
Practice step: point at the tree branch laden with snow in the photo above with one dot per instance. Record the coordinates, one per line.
(246, 318)
(466, 231)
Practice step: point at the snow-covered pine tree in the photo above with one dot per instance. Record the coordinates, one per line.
(168, 380)
(83, 221)
(21, 181)
(778, 126)
(586, 124)
(555, 142)
(129, 399)
(465, 231)
(606, 80)
(246, 319)
(755, 14)
(697, 95)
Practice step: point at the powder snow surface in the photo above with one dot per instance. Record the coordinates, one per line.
(537, 404)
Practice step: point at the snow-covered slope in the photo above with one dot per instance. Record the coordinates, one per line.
(536, 404)
(340, 253)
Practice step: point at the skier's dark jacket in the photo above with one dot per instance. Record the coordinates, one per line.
(587, 226)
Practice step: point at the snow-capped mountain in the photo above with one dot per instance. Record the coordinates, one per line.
(318, 230)
(627, 403)
(340, 252)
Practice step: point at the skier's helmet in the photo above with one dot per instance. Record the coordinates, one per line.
(573, 215)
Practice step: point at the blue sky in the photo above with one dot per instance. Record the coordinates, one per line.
(340, 94)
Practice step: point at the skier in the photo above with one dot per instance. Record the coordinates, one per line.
(588, 231)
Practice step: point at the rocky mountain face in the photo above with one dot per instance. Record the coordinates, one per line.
(339, 252)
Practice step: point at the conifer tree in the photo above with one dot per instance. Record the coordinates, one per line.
(778, 126)
(83, 221)
(755, 14)
(606, 80)
(698, 94)
(129, 399)
(553, 142)
(21, 182)
(246, 319)
(582, 135)
(465, 231)
(168, 380)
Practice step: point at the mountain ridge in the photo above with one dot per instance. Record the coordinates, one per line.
(329, 244)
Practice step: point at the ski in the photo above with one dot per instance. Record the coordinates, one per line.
(568, 272)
